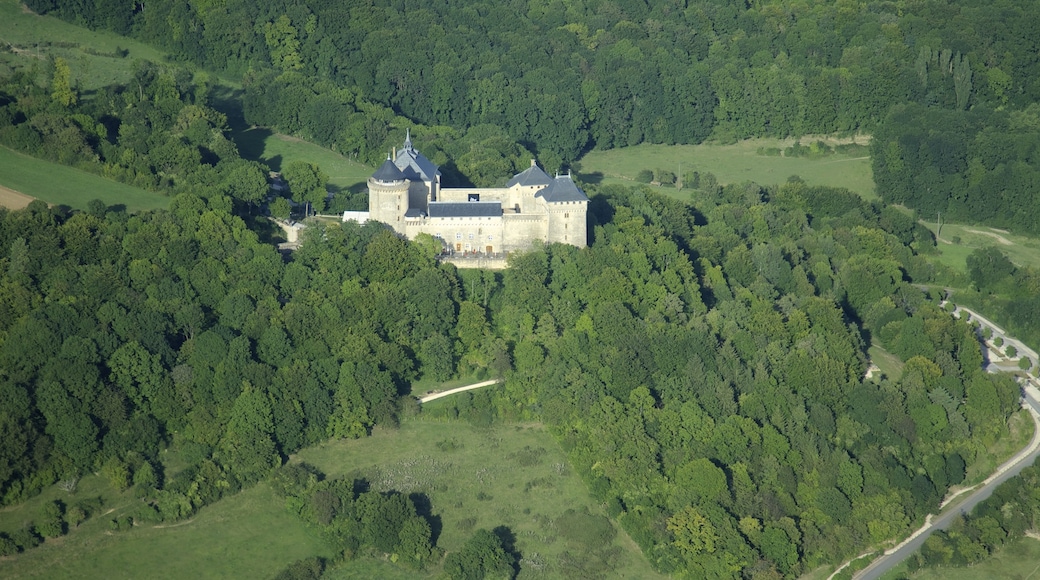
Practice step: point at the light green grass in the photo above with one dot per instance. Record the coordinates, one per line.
(731, 164)
(248, 535)
(456, 464)
(1021, 250)
(889, 363)
(29, 33)
(63, 185)
(1019, 560)
(275, 150)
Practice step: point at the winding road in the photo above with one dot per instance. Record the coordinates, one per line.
(1011, 468)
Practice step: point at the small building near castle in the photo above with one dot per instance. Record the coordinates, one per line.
(406, 194)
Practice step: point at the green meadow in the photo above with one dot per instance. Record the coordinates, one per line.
(97, 59)
(63, 185)
(248, 535)
(735, 163)
(512, 475)
(957, 241)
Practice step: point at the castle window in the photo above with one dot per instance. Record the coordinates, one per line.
(490, 238)
(458, 235)
(471, 236)
(566, 215)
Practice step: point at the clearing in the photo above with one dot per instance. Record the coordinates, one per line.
(959, 240)
(734, 163)
(248, 535)
(97, 58)
(63, 185)
(513, 475)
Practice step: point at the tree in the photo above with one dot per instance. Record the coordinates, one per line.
(483, 556)
(280, 208)
(61, 86)
(248, 444)
(306, 183)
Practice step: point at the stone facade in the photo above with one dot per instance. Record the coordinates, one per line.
(405, 193)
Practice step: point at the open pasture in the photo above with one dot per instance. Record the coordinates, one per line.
(62, 185)
(957, 241)
(734, 163)
(248, 535)
(512, 475)
(97, 58)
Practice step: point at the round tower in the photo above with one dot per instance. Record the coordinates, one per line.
(388, 195)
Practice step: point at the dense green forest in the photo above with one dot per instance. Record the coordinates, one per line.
(701, 365)
(561, 77)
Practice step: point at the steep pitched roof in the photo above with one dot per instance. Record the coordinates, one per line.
(443, 209)
(415, 165)
(562, 189)
(388, 172)
(531, 176)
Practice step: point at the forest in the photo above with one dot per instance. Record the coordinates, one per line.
(700, 364)
(563, 77)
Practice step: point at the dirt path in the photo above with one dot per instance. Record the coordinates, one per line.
(433, 396)
(1003, 241)
(12, 199)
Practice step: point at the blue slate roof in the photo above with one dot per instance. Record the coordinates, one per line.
(443, 209)
(388, 172)
(531, 176)
(562, 189)
(415, 165)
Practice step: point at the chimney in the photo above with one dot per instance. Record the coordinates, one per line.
(532, 163)
(394, 151)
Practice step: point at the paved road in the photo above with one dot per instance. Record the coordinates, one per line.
(432, 396)
(1014, 466)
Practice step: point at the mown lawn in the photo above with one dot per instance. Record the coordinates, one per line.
(734, 163)
(97, 59)
(248, 535)
(512, 475)
(63, 185)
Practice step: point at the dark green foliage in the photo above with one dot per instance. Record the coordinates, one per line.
(51, 522)
(26, 538)
(306, 569)
(483, 556)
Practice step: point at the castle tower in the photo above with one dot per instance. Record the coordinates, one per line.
(388, 195)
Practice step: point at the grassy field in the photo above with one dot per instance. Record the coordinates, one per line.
(889, 363)
(275, 150)
(958, 241)
(63, 185)
(731, 164)
(248, 535)
(507, 475)
(1019, 560)
(97, 59)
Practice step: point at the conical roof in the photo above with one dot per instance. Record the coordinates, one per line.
(562, 189)
(532, 176)
(388, 172)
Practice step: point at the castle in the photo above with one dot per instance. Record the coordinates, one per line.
(406, 194)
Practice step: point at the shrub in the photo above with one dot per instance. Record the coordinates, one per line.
(1011, 351)
(27, 538)
(7, 546)
(645, 176)
(1025, 363)
(52, 523)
